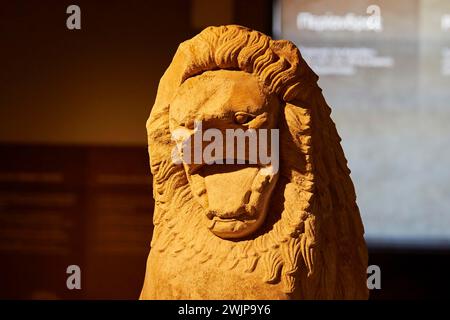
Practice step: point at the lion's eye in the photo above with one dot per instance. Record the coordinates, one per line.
(242, 117)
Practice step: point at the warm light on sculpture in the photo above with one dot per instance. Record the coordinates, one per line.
(247, 230)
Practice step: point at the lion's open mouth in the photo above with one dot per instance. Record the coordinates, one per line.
(235, 196)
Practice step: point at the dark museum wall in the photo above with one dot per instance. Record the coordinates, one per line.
(75, 186)
(97, 85)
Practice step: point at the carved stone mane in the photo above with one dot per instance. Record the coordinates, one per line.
(307, 241)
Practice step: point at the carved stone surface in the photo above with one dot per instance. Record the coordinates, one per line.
(233, 231)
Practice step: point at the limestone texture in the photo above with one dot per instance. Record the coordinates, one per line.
(241, 231)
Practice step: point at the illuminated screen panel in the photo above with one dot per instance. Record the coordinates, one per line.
(384, 68)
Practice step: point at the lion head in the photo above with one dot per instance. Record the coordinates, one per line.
(297, 227)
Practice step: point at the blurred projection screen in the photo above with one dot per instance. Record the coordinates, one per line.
(384, 67)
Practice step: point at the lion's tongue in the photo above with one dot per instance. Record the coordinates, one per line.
(228, 189)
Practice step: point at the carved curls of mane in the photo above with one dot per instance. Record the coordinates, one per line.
(313, 239)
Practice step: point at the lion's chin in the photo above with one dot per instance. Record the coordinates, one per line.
(235, 197)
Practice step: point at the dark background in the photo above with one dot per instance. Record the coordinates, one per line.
(75, 186)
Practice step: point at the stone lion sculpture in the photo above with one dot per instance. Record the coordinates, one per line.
(226, 232)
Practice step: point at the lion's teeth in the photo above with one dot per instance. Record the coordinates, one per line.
(258, 183)
(200, 192)
(211, 224)
(268, 171)
(238, 225)
(250, 209)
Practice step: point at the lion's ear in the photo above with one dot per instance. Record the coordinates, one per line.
(298, 121)
(295, 134)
